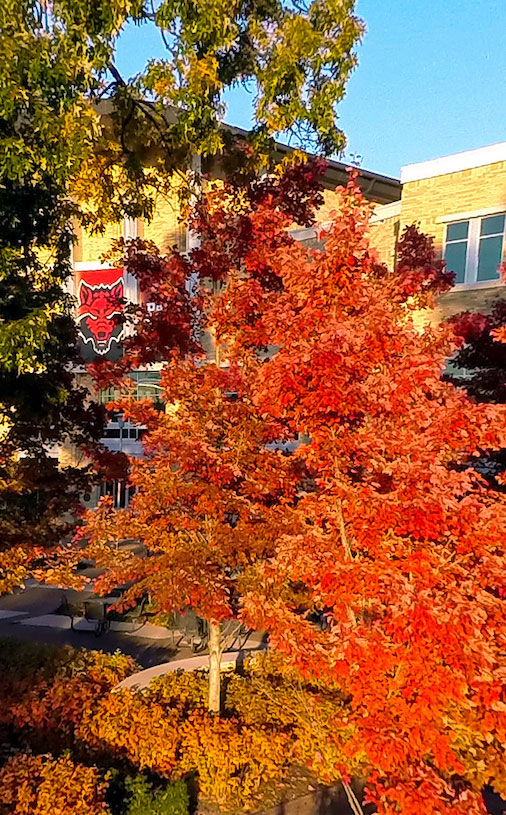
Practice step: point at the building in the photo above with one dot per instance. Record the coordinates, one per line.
(97, 285)
(460, 200)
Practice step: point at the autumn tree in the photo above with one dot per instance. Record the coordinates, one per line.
(215, 472)
(396, 541)
(377, 565)
(81, 144)
(479, 367)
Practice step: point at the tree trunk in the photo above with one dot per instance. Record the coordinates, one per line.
(215, 650)
(215, 644)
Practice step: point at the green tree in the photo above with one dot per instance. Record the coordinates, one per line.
(78, 143)
(52, 57)
(295, 56)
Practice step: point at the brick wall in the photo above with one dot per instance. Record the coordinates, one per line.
(326, 212)
(164, 229)
(425, 202)
(384, 231)
(428, 199)
(90, 248)
(456, 301)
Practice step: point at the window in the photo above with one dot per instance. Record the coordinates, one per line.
(490, 247)
(124, 432)
(456, 249)
(474, 249)
(120, 492)
(145, 385)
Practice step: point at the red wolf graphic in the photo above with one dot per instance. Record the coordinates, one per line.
(98, 305)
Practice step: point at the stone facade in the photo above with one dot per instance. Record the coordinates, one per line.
(478, 188)
(385, 224)
(165, 229)
(465, 187)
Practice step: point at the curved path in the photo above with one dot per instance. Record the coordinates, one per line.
(143, 678)
(30, 615)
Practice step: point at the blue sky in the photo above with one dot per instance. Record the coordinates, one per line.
(431, 80)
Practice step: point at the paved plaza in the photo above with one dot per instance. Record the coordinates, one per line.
(31, 615)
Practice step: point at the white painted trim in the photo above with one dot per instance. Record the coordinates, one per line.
(304, 234)
(311, 232)
(480, 284)
(472, 255)
(385, 211)
(192, 239)
(90, 266)
(455, 163)
(130, 228)
(69, 285)
(477, 213)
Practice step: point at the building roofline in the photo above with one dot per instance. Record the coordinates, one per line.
(454, 163)
(386, 211)
(377, 187)
(380, 188)
(342, 166)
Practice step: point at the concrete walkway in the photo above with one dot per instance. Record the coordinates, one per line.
(29, 615)
(146, 653)
(37, 599)
(228, 660)
(37, 606)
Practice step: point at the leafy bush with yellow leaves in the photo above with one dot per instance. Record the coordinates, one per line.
(131, 725)
(61, 699)
(181, 690)
(42, 785)
(47, 692)
(232, 760)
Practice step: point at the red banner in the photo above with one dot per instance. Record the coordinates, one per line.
(100, 294)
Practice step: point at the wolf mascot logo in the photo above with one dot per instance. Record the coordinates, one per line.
(100, 295)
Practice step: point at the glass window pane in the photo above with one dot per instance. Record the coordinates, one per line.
(147, 384)
(455, 256)
(457, 232)
(489, 258)
(493, 225)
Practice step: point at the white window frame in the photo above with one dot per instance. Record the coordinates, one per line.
(473, 249)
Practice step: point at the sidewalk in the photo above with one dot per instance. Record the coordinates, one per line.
(37, 606)
(30, 616)
(147, 653)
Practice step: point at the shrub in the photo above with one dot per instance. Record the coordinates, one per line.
(182, 690)
(26, 661)
(270, 695)
(60, 698)
(231, 760)
(41, 785)
(144, 799)
(47, 692)
(134, 727)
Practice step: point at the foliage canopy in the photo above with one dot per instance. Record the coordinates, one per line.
(81, 144)
(384, 570)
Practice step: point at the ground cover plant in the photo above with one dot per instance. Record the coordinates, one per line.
(69, 740)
